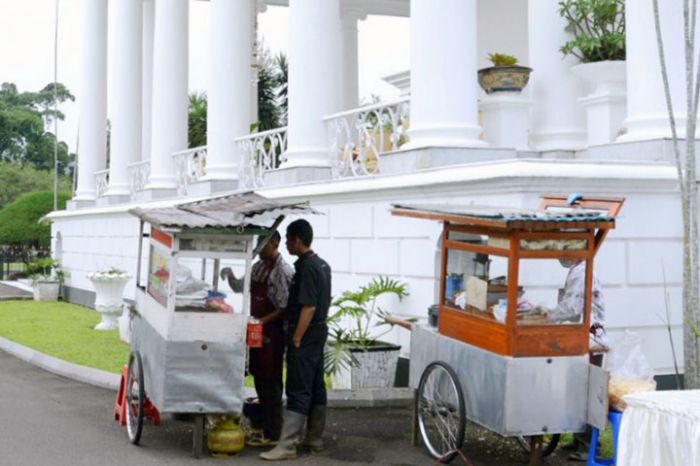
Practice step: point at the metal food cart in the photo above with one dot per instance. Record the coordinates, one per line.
(496, 359)
(187, 358)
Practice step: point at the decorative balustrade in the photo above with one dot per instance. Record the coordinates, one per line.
(138, 177)
(190, 166)
(357, 137)
(101, 182)
(261, 152)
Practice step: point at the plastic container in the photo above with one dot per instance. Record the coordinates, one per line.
(255, 334)
(433, 315)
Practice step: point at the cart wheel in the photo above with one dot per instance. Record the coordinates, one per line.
(135, 398)
(440, 411)
(550, 442)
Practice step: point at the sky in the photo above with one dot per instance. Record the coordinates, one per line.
(27, 49)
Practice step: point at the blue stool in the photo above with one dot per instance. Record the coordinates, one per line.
(615, 418)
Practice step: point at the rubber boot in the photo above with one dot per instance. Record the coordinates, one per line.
(286, 449)
(314, 429)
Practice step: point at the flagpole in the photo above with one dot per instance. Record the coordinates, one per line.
(55, 113)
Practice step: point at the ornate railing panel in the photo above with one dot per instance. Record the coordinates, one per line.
(138, 177)
(190, 166)
(261, 152)
(357, 137)
(101, 182)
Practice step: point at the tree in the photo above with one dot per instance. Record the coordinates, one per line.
(24, 118)
(19, 221)
(687, 182)
(16, 180)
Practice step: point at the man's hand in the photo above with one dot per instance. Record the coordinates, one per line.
(296, 341)
(226, 274)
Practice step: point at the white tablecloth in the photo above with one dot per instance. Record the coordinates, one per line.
(660, 429)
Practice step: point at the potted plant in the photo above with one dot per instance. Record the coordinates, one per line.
(109, 296)
(598, 41)
(505, 75)
(355, 358)
(47, 277)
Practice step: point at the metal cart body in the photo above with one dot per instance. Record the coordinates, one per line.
(516, 396)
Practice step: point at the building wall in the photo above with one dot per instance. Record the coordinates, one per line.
(639, 262)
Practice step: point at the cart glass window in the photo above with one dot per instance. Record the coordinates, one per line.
(475, 282)
(554, 292)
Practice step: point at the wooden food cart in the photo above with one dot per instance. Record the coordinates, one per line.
(188, 353)
(497, 358)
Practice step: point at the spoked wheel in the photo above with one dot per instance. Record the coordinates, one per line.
(549, 443)
(135, 398)
(440, 411)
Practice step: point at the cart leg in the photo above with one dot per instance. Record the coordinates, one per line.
(198, 435)
(414, 420)
(535, 450)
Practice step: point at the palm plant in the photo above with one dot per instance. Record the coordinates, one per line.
(361, 310)
(197, 120)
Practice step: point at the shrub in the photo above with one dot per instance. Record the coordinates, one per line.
(19, 221)
(598, 27)
(16, 180)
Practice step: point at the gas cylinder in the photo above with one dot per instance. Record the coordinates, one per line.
(226, 439)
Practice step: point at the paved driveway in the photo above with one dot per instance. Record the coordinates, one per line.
(49, 420)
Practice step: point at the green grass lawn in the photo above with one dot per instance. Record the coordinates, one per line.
(65, 331)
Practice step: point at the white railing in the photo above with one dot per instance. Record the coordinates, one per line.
(101, 182)
(190, 166)
(357, 137)
(261, 152)
(138, 177)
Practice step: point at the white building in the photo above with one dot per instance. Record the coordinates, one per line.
(457, 144)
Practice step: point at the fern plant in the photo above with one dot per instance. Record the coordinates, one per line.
(598, 27)
(358, 308)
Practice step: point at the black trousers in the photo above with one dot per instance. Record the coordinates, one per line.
(305, 386)
(270, 397)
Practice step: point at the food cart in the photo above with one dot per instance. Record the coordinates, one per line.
(498, 357)
(188, 350)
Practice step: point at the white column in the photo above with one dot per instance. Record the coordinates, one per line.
(314, 79)
(125, 99)
(443, 74)
(93, 98)
(257, 7)
(647, 113)
(149, 16)
(229, 85)
(557, 121)
(350, 67)
(169, 112)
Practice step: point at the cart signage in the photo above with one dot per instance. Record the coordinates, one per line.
(158, 276)
(163, 238)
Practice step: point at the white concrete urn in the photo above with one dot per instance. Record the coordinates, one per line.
(606, 104)
(109, 296)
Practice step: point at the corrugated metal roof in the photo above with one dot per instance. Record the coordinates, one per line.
(228, 211)
(506, 214)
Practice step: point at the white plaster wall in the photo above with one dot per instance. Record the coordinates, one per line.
(502, 28)
(360, 240)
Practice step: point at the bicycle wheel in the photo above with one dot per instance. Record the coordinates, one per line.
(550, 442)
(135, 398)
(440, 411)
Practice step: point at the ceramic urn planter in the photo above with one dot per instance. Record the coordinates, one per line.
(109, 297)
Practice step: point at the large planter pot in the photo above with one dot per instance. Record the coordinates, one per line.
(504, 78)
(606, 105)
(109, 298)
(377, 368)
(46, 290)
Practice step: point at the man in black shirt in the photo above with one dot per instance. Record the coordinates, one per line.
(306, 313)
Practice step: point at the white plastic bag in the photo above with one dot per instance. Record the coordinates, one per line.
(630, 371)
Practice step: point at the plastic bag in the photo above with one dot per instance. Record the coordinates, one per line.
(630, 371)
(186, 284)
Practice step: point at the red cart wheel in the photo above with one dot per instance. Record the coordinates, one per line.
(135, 398)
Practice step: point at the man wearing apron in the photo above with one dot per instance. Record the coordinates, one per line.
(306, 313)
(269, 290)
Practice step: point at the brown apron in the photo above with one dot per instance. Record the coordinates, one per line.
(266, 362)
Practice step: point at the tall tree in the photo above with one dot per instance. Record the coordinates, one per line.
(24, 118)
(197, 120)
(687, 181)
